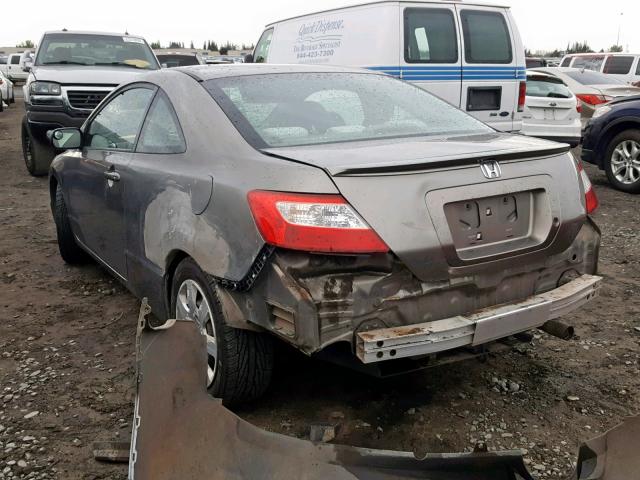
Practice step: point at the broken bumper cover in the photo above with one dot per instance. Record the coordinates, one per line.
(476, 328)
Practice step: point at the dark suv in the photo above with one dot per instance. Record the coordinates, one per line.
(71, 74)
(611, 140)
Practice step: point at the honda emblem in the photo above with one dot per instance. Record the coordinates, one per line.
(491, 169)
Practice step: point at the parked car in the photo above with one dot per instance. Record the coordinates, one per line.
(178, 59)
(533, 62)
(623, 66)
(14, 66)
(339, 210)
(551, 111)
(469, 54)
(71, 74)
(612, 142)
(591, 88)
(6, 91)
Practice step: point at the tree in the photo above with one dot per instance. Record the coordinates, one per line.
(527, 52)
(192, 44)
(204, 45)
(155, 45)
(615, 48)
(248, 47)
(26, 44)
(578, 47)
(175, 44)
(228, 46)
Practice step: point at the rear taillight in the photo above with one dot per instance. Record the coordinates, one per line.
(592, 99)
(578, 105)
(522, 95)
(589, 194)
(312, 222)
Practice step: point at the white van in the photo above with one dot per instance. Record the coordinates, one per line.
(623, 66)
(469, 54)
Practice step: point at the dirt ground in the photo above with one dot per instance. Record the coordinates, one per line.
(67, 351)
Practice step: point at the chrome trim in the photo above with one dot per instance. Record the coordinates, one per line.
(86, 88)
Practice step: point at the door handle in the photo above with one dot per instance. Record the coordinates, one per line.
(111, 175)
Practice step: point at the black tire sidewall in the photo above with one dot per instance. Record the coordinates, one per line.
(189, 270)
(621, 137)
(69, 250)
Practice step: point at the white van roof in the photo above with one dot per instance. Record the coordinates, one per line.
(450, 2)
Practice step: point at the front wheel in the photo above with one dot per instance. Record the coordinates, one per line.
(622, 161)
(37, 157)
(239, 362)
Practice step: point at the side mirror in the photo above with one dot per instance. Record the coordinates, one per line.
(26, 66)
(65, 138)
(248, 58)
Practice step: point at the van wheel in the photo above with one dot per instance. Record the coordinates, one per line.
(37, 158)
(69, 250)
(239, 362)
(622, 161)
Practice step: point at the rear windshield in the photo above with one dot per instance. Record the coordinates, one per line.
(546, 87)
(314, 108)
(171, 61)
(82, 49)
(587, 77)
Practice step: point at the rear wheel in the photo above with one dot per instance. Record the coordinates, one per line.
(69, 249)
(622, 161)
(37, 157)
(239, 362)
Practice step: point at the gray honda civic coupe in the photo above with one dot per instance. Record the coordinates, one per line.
(351, 215)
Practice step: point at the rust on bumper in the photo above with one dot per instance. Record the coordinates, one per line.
(477, 328)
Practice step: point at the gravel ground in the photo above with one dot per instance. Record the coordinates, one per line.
(67, 346)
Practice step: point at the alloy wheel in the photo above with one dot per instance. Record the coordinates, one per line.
(625, 162)
(192, 304)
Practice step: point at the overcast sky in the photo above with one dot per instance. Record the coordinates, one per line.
(544, 24)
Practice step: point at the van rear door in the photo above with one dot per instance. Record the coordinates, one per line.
(432, 50)
(491, 74)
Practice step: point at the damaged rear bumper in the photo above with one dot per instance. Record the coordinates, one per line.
(477, 328)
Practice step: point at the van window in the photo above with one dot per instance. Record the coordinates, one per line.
(430, 36)
(590, 62)
(262, 49)
(618, 65)
(486, 37)
(566, 62)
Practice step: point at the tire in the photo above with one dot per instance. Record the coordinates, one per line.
(243, 364)
(622, 161)
(37, 157)
(69, 250)
(1, 106)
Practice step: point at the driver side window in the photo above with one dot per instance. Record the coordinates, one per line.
(118, 124)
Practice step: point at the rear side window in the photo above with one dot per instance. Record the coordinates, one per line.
(618, 65)
(546, 87)
(590, 62)
(566, 61)
(486, 37)
(262, 49)
(161, 132)
(430, 36)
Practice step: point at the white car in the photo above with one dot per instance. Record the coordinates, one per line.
(551, 110)
(6, 92)
(623, 66)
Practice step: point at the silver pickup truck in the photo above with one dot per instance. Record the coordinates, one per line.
(71, 74)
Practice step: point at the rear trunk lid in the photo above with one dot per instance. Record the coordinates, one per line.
(550, 109)
(616, 91)
(458, 206)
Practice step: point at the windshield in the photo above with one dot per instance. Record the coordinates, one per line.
(587, 77)
(83, 49)
(314, 108)
(546, 87)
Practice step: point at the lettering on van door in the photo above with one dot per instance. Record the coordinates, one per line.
(318, 41)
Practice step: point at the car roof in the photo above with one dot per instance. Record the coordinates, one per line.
(87, 32)
(346, 7)
(592, 54)
(208, 72)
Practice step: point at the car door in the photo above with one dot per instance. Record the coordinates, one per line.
(96, 193)
(431, 50)
(490, 73)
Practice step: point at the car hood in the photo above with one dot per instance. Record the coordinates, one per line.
(384, 156)
(74, 74)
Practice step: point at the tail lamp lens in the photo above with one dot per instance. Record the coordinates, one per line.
(311, 222)
(591, 200)
(592, 99)
(522, 95)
